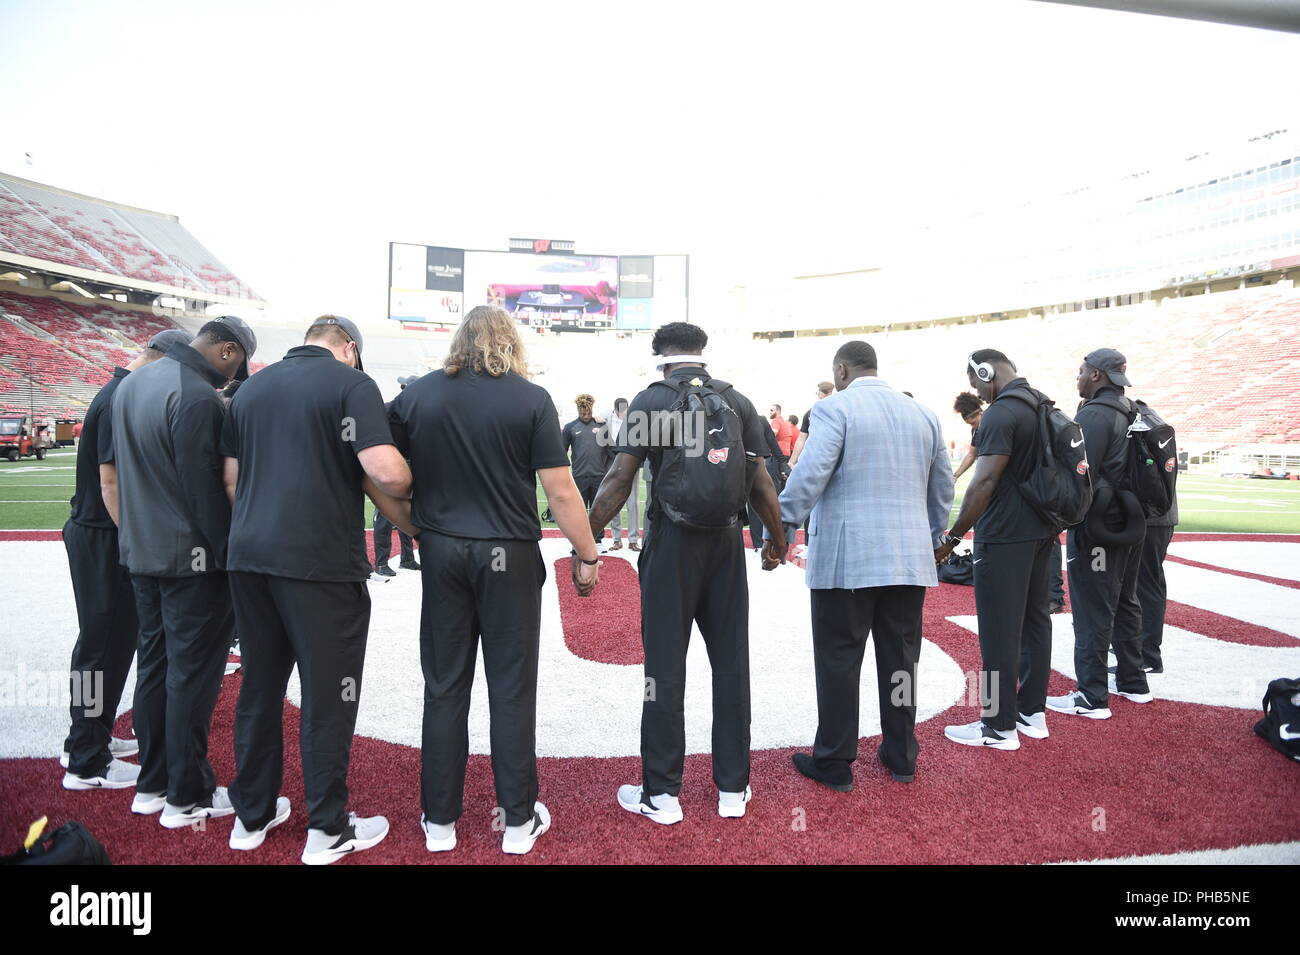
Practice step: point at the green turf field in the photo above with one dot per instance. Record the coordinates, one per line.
(34, 496)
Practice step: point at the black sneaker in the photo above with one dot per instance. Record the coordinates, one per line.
(383, 570)
(409, 565)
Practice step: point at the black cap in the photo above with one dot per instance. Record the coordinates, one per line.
(169, 337)
(1112, 363)
(236, 330)
(349, 328)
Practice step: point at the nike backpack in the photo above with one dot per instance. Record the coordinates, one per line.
(1059, 487)
(701, 481)
(1152, 466)
(1281, 722)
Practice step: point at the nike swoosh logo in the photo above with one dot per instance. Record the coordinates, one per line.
(1075, 444)
(714, 430)
(976, 561)
(1068, 559)
(1282, 731)
(1162, 444)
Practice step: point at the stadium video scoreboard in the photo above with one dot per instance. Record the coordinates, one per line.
(543, 283)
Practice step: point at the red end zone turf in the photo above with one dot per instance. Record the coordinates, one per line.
(1159, 778)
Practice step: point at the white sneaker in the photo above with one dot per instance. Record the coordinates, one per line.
(178, 817)
(146, 804)
(519, 840)
(244, 838)
(732, 805)
(663, 809)
(1076, 704)
(116, 775)
(1035, 726)
(360, 833)
(980, 733)
(117, 748)
(438, 838)
(1146, 697)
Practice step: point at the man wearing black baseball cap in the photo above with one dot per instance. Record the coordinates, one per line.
(109, 628)
(1103, 554)
(300, 441)
(161, 475)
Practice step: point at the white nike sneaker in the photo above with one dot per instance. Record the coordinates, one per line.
(359, 834)
(117, 748)
(519, 840)
(732, 805)
(116, 775)
(178, 817)
(980, 733)
(1146, 697)
(1076, 704)
(663, 809)
(243, 838)
(438, 838)
(1033, 726)
(146, 804)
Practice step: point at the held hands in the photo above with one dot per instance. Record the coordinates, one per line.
(585, 576)
(773, 556)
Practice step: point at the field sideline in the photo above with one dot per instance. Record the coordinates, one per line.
(34, 496)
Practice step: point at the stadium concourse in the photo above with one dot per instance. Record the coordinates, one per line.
(1183, 779)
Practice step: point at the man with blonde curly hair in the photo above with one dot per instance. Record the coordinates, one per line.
(585, 442)
(479, 435)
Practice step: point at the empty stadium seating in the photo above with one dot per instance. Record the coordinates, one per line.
(55, 354)
(62, 227)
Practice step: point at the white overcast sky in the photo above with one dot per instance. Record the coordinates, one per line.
(765, 139)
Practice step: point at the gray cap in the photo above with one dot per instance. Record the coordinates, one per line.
(238, 331)
(1112, 363)
(349, 328)
(164, 340)
(408, 380)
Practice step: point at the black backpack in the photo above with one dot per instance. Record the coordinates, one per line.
(701, 481)
(958, 569)
(70, 844)
(1059, 488)
(1281, 722)
(1152, 466)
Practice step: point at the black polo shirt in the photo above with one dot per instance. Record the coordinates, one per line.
(296, 427)
(88, 508)
(639, 441)
(475, 443)
(807, 418)
(589, 444)
(1010, 427)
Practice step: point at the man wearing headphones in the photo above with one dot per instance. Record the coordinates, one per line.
(1103, 555)
(1011, 552)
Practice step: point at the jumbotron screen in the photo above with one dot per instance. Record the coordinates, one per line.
(561, 292)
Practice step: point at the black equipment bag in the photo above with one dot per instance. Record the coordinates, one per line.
(1281, 722)
(958, 569)
(70, 844)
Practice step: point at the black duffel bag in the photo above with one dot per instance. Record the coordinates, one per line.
(1281, 722)
(958, 569)
(70, 844)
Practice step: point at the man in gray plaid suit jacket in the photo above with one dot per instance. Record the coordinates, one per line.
(876, 478)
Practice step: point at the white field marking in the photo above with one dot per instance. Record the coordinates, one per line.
(1198, 668)
(59, 501)
(37, 467)
(1267, 853)
(37, 575)
(1272, 559)
(594, 709)
(1225, 499)
(1254, 601)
